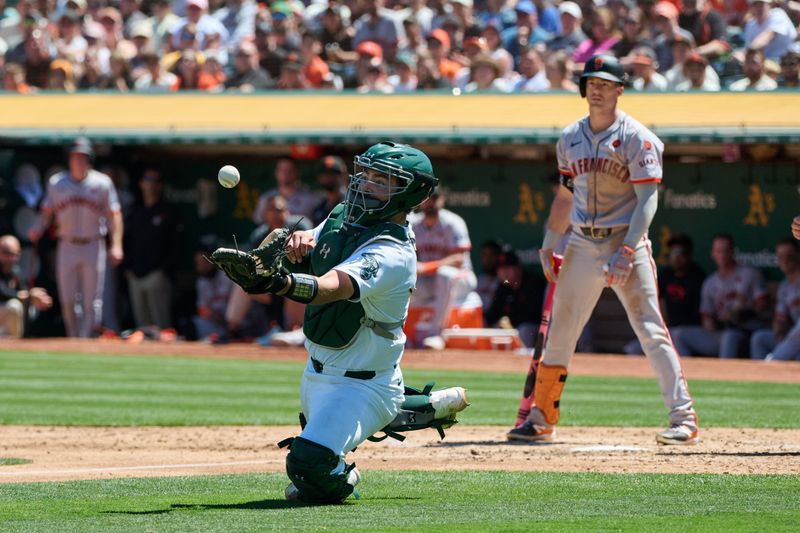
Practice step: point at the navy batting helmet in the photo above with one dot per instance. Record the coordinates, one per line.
(82, 145)
(604, 67)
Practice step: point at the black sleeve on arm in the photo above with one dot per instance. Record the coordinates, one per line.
(567, 182)
(356, 291)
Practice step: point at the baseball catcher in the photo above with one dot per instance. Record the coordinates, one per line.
(355, 272)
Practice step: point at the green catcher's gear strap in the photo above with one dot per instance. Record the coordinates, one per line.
(417, 412)
(309, 466)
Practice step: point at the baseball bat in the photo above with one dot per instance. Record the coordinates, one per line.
(526, 401)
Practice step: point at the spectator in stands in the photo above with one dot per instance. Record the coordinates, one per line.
(332, 180)
(69, 43)
(188, 69)
(404, 79)
(732, 304)
(558, 67)
(203, 24)
(439, 49)
(634, 35)
(549, 16)
(755, 78)
(155, 79)
(14, 79)
(111, 21)
(526, 32)
(533, 77)
(485, 75)
(238, 17)
(292, 76)
(119, 77)
(571, 35)
(518, 298)
(152, 243)
(212, 75)
(666, 26)
(487, 279)
(645, 75)
(14, 296)
(314, 68)
(707, 26)
(682, 47)
(445, 279)
(287, 180)
(415, 41)
(375, 79)
(428, 74)
(61, 76)
(732, 11)
(602, 36)
(163, 22)
(462, 10)
(782, 342)
(130, 11)
(247, 74)
(694, 72)
(769, 29)
(679, 287)
(37, 58)
(790, 70)
(420, 17)
(494, 46)
(336, 38)
(378, 25)
(213, 289)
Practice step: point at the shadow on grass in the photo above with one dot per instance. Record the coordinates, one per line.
(258, 504)
(254, 505)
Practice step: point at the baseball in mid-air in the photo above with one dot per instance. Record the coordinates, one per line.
(228, 176)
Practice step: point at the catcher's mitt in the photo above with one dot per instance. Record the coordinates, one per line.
(260, 270)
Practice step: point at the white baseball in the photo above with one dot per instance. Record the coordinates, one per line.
(228, 176)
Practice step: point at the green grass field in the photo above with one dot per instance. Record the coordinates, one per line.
(103, 390)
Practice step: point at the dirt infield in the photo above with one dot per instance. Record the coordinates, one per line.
(64, 453)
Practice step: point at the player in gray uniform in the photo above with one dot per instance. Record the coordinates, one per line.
(782, 341)
(84, 205)
(611, 166)
(733, 301)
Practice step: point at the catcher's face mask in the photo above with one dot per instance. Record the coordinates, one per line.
(388, 179)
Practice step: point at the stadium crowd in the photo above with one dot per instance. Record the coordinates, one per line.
(394, 46)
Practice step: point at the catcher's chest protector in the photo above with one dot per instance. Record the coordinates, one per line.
(335, 325)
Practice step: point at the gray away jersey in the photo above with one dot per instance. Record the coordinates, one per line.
(604, 167)
(81, 209)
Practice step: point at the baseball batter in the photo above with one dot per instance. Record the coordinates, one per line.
(445, 275)
(85, 207)
(610, 168)
(356, 272)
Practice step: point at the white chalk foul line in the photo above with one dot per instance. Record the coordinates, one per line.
(140, 467)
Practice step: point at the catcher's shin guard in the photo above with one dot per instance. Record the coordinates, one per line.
(309, 466)
(426, 409)
(547, 394)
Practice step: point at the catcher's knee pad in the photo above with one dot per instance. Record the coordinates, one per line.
(309, 466)
(547, 394)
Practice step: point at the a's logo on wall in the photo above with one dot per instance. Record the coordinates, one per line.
(761, 205)
(246, 201)
(531, 204)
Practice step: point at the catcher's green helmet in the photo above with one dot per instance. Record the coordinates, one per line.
(413, 181)
(605, 67)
